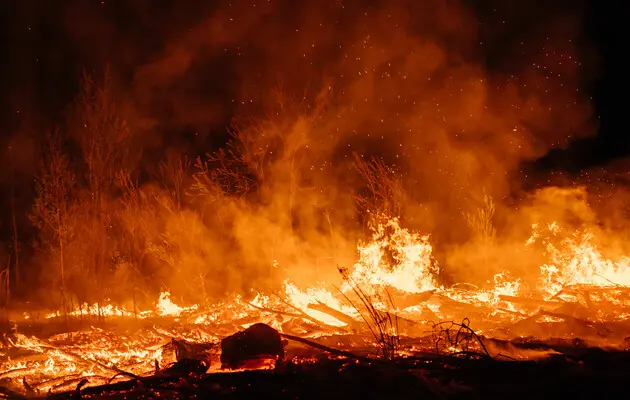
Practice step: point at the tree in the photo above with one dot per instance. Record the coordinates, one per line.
(172, 173)
(102, 134)
(104, 138)
(53, 185)
(135, 215)
(5, 285)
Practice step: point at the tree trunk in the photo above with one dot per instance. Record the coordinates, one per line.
(16, 271)
(15, 245)
(62, 268)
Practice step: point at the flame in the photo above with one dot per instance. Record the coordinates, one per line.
(577, 260)
(394, 259)
(165, 306)
(303, 298)
(411, 268)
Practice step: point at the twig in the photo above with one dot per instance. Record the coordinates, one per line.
(308, 317)
(327, 349)
(463, 333)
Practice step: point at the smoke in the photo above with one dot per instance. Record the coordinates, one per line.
(448, 95)
(453, 96)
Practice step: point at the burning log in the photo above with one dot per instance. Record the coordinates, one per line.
(352, 323)
(403, 300)
(69, 380)
(186, 366)
(327, 349)
(530, 302)
(404, 325)
(187, 350)
(256, 342)
(269, 310)
(303, 327)
(306, 316)
(599, 329)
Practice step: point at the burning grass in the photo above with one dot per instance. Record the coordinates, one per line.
(389, 301)
(392, 158)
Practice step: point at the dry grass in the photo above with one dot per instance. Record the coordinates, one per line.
(382, 324)
(383, 192)
(481, 223)
(459, 339)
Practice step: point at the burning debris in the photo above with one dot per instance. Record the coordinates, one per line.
(377, 307)
(367, 228)
(257, 342)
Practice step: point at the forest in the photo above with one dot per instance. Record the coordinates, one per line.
(110, 230)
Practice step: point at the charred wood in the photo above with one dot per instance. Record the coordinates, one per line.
(259, 340)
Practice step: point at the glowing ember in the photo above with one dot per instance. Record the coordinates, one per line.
(394, 259)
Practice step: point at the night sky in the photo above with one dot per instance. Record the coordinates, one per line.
(46, 44)
(603, 25)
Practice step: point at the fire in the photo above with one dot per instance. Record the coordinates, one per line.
(577, 260)
(303, 298)
(395, 260)
(256, 212)
(165, 306)
(410, 267)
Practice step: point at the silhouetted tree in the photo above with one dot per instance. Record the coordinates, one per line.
(104, 139)
(53, 185)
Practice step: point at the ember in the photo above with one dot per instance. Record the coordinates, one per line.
(382, 206)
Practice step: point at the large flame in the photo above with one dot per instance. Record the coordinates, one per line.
(395, 260)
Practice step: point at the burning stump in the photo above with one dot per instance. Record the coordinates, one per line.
(257, 342)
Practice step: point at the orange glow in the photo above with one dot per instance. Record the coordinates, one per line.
(411, 270)
(573, 260)
(367, 189)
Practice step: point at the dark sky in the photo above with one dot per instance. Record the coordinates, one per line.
(604, 26)
(46, 44)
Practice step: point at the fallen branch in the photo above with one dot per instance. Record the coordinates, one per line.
(327, 349)
(323, 308)
(66, 380)
(269, 310)
(44, 345)
(308, 317)
(530, 302)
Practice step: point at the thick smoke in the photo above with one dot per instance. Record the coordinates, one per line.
(452, 96)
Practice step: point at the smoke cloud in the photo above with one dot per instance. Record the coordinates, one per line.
(452, 96)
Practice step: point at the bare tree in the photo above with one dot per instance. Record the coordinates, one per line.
(103, 135)
(257, 147)
(238, 169)
(54, 184)
(383, 192)
(134, 214)
(104, 138)
(5, 289)
(16, 245)
(172, 173)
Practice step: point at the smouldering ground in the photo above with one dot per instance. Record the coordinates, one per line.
(396, 308)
